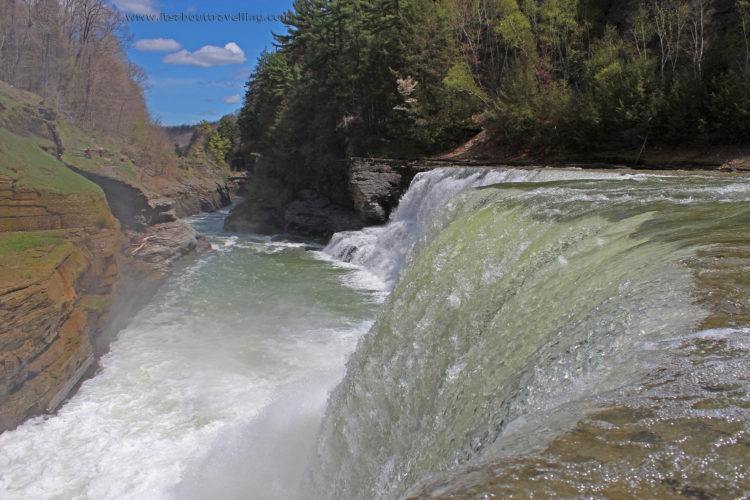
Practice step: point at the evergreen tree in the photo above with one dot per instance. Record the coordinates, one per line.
(410, 77)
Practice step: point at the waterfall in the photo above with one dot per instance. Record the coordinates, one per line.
(525, 307)
(549, 333)
(382, 250)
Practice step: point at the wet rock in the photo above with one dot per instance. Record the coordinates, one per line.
(253, 217)
(312, 214)
(161, 245)
(376, 185)
(190, 199)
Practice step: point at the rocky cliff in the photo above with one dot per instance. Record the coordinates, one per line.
(374, 188)
(58, 268)
(83, 244)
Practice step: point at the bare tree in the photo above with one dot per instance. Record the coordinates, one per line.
(670, 19)
(642, 31)
(743, 8)
(696, 29)
(70, 52)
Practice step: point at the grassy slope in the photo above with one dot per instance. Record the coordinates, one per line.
(112, 164)
(137, 158)
(31, 256)
(29, 167)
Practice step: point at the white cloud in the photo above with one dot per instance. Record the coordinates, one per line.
(208, 55)
(232, 99)
(136, 6)
(157, 45)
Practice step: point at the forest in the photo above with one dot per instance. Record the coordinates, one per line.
(414, 77)
(72, 53)
(407, 78)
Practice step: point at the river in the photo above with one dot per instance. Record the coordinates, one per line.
(216, 385)
(556, 333)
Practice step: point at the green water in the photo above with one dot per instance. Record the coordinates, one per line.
(215, 388)
(537, 339)
(584, 335)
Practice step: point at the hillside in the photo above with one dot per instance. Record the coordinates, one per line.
(663, 84)
(482, 149)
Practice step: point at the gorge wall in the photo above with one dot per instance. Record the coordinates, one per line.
(374, 188)
(83, 245)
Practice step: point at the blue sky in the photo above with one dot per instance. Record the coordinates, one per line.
(197, 68)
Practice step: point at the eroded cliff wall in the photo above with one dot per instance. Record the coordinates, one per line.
(79, 254)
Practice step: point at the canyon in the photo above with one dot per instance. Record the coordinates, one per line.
(83, 245)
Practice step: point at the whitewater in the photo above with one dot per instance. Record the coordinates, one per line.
(217, 385)
(529, 332)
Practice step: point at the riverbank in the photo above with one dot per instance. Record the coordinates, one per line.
(557, 330)
(86, 238)
(481, 150)
(214, 388)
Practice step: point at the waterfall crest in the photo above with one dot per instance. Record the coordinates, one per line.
(382, 250)
(525, 306)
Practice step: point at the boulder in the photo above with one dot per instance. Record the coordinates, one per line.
(251, 216)
(312, 214)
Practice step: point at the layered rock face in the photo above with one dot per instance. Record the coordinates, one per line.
(376, 185)
(60, 263)
(79, 254)
(52, 310)
(374, 189)
(312, 214)
(192, 199)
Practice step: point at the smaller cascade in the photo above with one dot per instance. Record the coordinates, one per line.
(382, 249)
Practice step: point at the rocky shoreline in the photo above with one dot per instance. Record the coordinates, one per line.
(80, 252)
(374, 189)
(89, 281)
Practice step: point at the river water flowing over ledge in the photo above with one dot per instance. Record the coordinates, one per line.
(563, 333)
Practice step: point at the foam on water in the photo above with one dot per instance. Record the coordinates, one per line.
(523, 308)
(232, 359)
(382, 250)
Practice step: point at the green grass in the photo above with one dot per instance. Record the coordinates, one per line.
(113, 164)
(31, 255)
(32, 168)
(16, 97)
(126, 172)
(21, 241)
(8, 103)
(95, 303)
